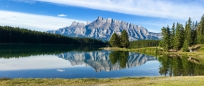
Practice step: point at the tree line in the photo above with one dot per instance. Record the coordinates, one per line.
(122, 41)
(10, 34)
(144, 43)
(181, 37)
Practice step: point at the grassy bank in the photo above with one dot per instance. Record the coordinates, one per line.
(197, 54)
(140, 81)
(154, 51)
(147, 50)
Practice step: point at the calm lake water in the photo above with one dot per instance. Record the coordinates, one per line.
(43, 63)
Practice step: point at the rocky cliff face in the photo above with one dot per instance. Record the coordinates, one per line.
(103, 29)
(99, 60)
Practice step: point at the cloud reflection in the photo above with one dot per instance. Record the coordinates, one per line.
(34, 62)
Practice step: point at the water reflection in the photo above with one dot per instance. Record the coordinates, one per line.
(26, 50)
(106, 60)
(179, 66)
(79, 59)
(119, 56)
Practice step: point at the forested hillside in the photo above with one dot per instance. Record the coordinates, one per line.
(20, 35)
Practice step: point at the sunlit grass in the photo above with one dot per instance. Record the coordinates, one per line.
(135, 81)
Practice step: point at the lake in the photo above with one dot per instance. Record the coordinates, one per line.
(63, 62)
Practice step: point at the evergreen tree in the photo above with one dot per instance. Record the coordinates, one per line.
(202, 26)
(172, 35)
(166, 38)
(178, 37)
(188, 32)
(199, 34)
(124, 39)
(200, 31)
(115, 40)
(182, 32)
(193, 33)
(185, 46)
(161, 43)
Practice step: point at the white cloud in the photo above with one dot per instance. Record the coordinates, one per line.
(62, 15)
(151, 8)
(33, 21)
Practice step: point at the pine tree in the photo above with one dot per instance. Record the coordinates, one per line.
(202, 25)
(200, 31)
(182, 32)
(114, 40)
(124, 39)
(199, 34)
(185, 46)
(161, 43)
(166, 38)
(188, 31)
(178, 37)
(172, 35)
(193, 33)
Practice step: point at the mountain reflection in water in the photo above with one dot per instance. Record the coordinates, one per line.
(79, 62)
(106, 60)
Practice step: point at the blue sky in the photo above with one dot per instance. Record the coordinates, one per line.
(43, 15)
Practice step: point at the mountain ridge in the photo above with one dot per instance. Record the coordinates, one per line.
(103, 29)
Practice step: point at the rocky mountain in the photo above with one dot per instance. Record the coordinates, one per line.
(99, 60)
(103, 29)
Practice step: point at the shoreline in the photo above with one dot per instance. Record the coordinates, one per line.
(154, 51)
(125, 81)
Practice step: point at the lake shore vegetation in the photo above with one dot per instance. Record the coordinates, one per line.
(178, 40)
(183, 37)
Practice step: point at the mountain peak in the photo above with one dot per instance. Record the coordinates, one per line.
(74, 23)
(109, 20)
(103, 29)
(100, 18)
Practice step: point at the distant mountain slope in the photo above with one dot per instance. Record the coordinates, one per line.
(103, 29)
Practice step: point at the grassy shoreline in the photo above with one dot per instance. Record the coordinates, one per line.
(134, 81)
(154, 51)
(147, 50)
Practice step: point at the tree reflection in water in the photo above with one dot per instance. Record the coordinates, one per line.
(179, 66)
(119, 56)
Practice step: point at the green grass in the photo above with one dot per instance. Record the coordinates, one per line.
(147, 50)
(136, 81)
